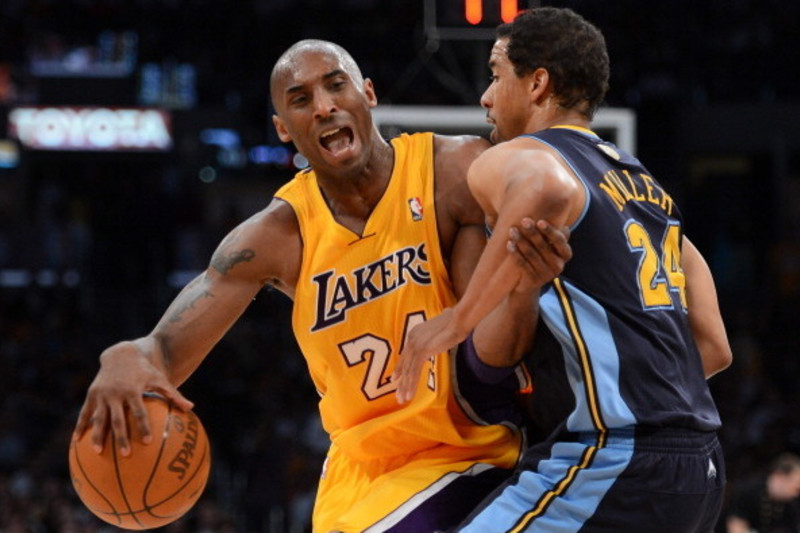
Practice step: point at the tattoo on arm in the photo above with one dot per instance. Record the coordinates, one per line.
(178, 314)
(224, 263)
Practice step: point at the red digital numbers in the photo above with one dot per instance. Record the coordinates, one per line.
(474, 12)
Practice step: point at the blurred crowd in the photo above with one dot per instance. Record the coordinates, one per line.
(92, 251)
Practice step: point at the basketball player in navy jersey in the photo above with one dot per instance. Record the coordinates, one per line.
(630, 330)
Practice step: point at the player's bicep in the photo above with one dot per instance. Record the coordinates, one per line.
(705, 319)
(264, 247)
(207, 307)
(198, 318)
(467, 248)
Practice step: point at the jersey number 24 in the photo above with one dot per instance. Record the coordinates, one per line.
(659, 276)
(375, 352)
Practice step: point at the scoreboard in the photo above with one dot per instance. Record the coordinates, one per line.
(470, 19)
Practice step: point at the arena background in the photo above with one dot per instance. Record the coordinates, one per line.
(99, 228)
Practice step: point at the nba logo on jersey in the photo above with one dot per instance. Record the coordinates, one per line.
(416, 208)
(610, 152)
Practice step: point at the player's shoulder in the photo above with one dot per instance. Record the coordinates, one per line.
(275, 227)
(453, 155)
(523, 150)
(459, 146)
(520, 160)
(278, 216)
(272, 227)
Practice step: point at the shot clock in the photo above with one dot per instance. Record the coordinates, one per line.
(470, 19)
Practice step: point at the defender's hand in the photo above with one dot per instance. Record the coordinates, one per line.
(542, 251)
(424, 341)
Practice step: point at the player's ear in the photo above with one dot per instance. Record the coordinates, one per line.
(369, 91)
(539, 85)
(280, 127)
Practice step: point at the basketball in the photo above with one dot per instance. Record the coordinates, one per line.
(156, 483)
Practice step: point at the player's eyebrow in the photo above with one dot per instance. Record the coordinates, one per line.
(328, 75)
(333, 74)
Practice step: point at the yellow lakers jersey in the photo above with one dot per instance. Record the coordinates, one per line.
(356, 298)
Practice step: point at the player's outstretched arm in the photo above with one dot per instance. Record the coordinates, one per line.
(510, 184)
(195, 321)
(538, 252)
(705, 318)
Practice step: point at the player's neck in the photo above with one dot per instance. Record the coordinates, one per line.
(356, 195)
(552, 114)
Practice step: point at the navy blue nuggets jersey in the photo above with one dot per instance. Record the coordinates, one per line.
(619, 387)
(617, 350)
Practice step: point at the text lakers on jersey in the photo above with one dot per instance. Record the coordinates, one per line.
(337, 294)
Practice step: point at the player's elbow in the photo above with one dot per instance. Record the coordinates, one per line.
(716, 358)
(724, 358)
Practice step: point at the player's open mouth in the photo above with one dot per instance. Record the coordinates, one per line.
(337, 140)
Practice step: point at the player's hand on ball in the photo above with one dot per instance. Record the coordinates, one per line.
(126, 372)
(156, 483)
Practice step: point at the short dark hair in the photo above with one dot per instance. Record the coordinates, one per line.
(569, 47)
(785, 463)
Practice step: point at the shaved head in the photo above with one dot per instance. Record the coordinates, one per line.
(291, 58)
(323, 105)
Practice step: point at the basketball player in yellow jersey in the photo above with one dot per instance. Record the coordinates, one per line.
(356, 296)
(373, 239)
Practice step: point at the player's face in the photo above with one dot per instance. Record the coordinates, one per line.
(323, 106)
(506, 99)
(792, 485)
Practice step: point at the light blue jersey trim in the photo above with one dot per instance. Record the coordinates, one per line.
(592, 322)
(562, 494)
